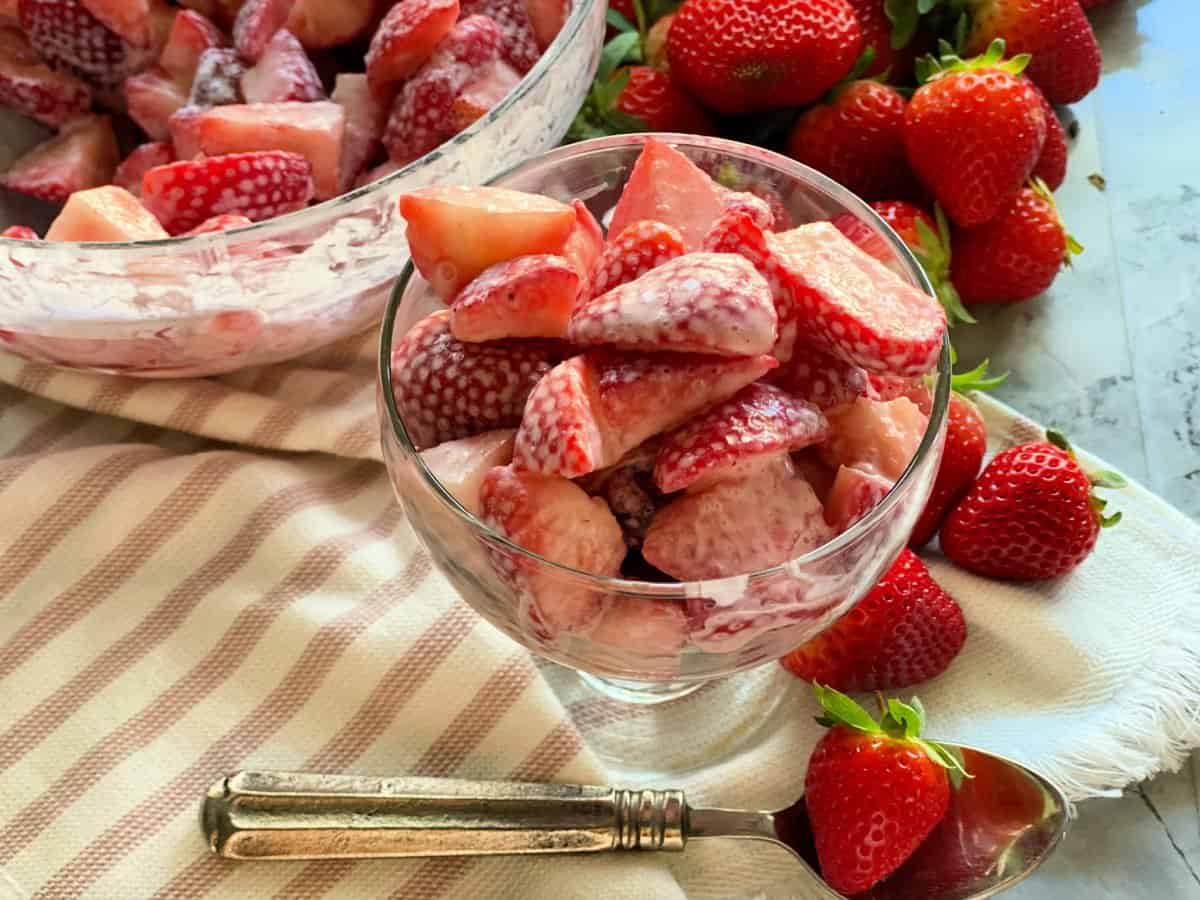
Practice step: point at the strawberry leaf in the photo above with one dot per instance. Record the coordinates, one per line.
(1059, 440)
(946, 758)
(622, 48)
(1106, 478)
(618, 21)
(977, 379)
(904, 18)
(841, 710)
(902, 720)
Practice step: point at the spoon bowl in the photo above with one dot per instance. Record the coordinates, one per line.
(1001, 825)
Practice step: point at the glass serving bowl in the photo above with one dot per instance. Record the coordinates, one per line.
(214, 303)
(659, 641)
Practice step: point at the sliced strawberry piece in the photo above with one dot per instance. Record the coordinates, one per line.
(547, 18)
(191, 34)
(222, 222)
(184, 128)
(151, 98)
(106, 213)
(665, 186)
(889, 387)
(878, 437)
(70, 38)
(421, 117)
(640, 247)
(141, 160)
(129, 19)
(854, 307)
(555, 519)
(701, 302)
(737, 527)
(218, 78)
(584, 245)
(283, 72)
(820, 378)
(374, 174)
(742, 228)
(84, 155)
(33, 89)
(454, 233)
(319, 23)
(518, 45)
(529, 296)
(591, 410)
(314, 130)
(461, 465)
(446, 389)
(854, 494)
(19, 233)
(483, 92)
(651, 631)
(256, 23)
(257, 185)
(365, 118)
(758, 421)
(405, 39)
(810, 467)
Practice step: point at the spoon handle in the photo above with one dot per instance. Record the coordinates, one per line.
(295, 815)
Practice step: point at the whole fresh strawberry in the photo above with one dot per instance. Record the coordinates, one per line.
(895, 44)
(856, 137)
(1052, 164)
(906, 630)
(651, 97)
(962, 455)
(746, 56)
(974, 131)
(1016, 255)
(1066, 57)
(1031, 515)
(874, 790)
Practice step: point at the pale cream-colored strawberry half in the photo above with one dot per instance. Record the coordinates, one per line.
(107, 213)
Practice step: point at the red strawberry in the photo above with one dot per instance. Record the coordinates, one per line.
(855, 308)
(184, 128)
(320, 24)
(528, 296)
(653, 630)
(877, 437)
(70, 38)
(151, 98)
(1066, 57)
(757, 422)
(421, 115)
(821, 379)
(19, 233)
(365, 118)
(905, 631)
(218, 78)
(654, 45)
(745, 56)
(584, 245)
(405, 39)
(1016, 255)
(446, 390)
(639, 248)
(482, 92)
(83, 155)
(879, 35)
(1091, 4)
(547, 18)
(222, 222)
(665, 186)
(258, 185)
(1030, 516)
(701, 303)
(191, 34)
(283, 72)
(874, 791)
(737, 527)
(462, 465)
(518, 43)
(974, 131)
(129, 19)
(856, 137)
(889, 387)
(592, 410)
(454, 233)
(1052, 164)
(853, 494)
(140, 160)
(651, 97)
(555, 519)
(32, 88)
(256, 23)
(313, 130)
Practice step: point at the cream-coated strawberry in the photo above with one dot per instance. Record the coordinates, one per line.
(528, 296)
(640, 247)
(83, 155)
(460, 466)
(405, 39)
(854, 494)
(878, 437)
(821, 379)
(139, 161)
(32, 88)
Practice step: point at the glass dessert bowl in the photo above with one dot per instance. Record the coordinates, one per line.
(213, 303)
(645, 640)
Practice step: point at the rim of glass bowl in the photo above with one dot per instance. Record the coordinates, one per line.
(679, 590)
(580, 10)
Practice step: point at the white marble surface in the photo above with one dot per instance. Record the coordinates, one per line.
(1111, 355)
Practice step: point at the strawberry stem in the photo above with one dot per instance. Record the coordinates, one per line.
(1105, 478)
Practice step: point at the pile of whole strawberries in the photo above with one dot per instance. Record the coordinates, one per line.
(938, 112)
(246, 109)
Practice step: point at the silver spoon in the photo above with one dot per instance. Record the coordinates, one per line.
(1001, 825)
